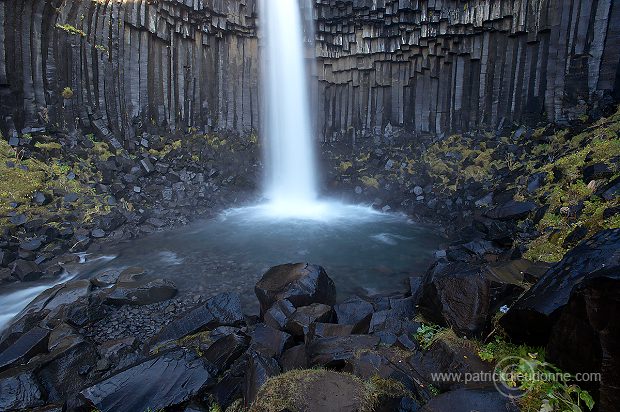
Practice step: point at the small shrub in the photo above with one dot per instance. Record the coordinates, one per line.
(67, 93)
(427, 334)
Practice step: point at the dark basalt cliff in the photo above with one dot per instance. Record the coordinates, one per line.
(127, 63)
(427, 65)
(445, 65)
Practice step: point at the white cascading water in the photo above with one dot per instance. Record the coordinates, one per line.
(291, 176)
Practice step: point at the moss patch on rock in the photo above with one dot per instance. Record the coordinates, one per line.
(318, 389)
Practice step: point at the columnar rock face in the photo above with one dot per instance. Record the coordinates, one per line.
(128, 63)
(451, 65)
(430, 66)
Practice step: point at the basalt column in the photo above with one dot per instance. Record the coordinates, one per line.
(119, 65)
(446, 65)
(430, 66)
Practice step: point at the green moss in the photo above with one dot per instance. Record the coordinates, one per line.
(370, 181)
(18, 184)
(543, 250)
(344, 166)
(48, 146)
(285, 391)
(71, 29)
(175, 145)
(102, 150)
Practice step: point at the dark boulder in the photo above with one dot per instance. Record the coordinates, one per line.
(454, 356)
(326, 330)
(259, 369)
(28, 345)
(106, 278)
(31, 245)
(313, 390)
(294, 358)
(41, 198)
(355, 312)
(540, 307)
(62, 338)
(141, 293)
(511, 210)
(301, 283)
(391, 321)
(49, 306)
(278, 314)
(479, 400)
(111, 221)
(389, 363)
(65, 372)
(575, 236)
(6, 257)
(131, 274)
(596, 171)
(270, 342)
(299, 322)
(26, 270)
(611, 190)
(221, 310)
(535, 181)
(225, 350)
(161, 382)
(333, 352)
(586, 336)
(19, 390)
(457, 294)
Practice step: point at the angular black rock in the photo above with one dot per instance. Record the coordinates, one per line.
(26, 270)
(299, 322)
(326, 330)
(586, 337)
(269, 341)
(141, 293)
(221, 310)
(28, 345)
(19, 391)
(278, 314)
(356, 312)
(511, 210)
(259, 369)
(301, 283)
(224, 351)
(541, 305)
(334, 351)
(162, 382)
(294, 358)
(457, 294)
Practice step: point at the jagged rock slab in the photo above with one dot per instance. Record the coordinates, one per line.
(221, 310)
(29, 344)
(542, 304)
(162, 382)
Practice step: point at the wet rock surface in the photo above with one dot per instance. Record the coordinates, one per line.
(488, 400)
(301, 284)
(221, 310)
(165, 381)
(75, 346)
(541, 305)
(457, 294)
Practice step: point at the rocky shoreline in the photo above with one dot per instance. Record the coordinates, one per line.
(507, 205)
(206, 352)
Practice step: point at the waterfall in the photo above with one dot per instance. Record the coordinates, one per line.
(291, 182)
